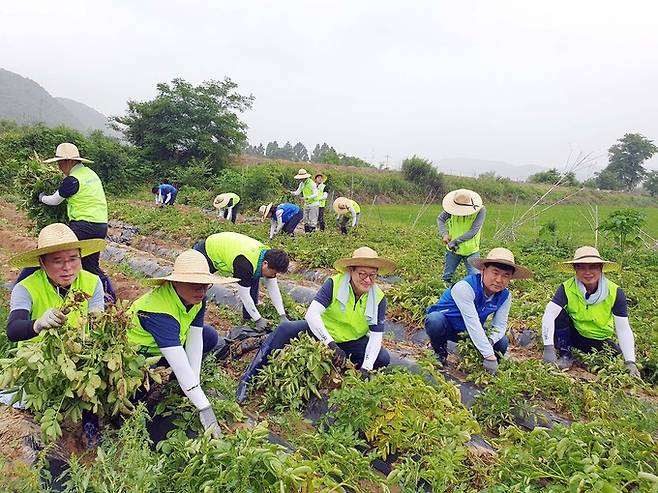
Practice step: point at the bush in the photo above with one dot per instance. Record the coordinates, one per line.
(422, 172)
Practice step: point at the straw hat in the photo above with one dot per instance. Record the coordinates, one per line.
(462, 202)
(302, 174)
(55, 238)
(342, 205)
(221, 200)
(324, 177)
(67, 151)
(265, 209)
(502, 256)
(587, 255)
(365, 257)
(190, 266)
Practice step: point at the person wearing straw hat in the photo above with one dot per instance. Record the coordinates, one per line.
(585, 311)
(165, 194)
(86, 206)
(247, 259)
(344, 206)
(323, 193)
(230, 201)
(36, 300)
(460, 225)
(347, 314)
(466, 305)
(309, 192)
(284, 217)
(169, 321)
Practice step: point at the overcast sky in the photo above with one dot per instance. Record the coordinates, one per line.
(524, 82)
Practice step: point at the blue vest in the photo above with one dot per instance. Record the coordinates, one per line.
(484, 307)
(289, 210)
(166, 189)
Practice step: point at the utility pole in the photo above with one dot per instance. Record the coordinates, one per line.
(386, 166)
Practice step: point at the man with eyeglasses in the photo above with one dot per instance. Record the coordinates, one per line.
(347, 315)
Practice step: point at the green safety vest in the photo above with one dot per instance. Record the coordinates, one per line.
(591, 321)
(351, 324)
(457, 226)
(307, 191)
(356, 207)
(234, 196)
(222, 248)
(44, 296)
(164, 300)
(322, 202)
(88, 203)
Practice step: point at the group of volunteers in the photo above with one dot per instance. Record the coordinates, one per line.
(347, 313)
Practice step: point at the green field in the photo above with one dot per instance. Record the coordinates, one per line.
(571, 220)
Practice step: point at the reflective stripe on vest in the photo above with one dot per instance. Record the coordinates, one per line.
(222, 248)
(322, 202)
(351, 324)
(88, 203)
(163, 300)
(457, 226)
(44, 296)
(591, 321)
(307, 191)
(289, 210)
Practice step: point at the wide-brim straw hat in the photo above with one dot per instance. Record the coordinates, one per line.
(365, 257)
(192, 267)
(53, 238)
(587, 255)
(462, 202)
(221, 200)
(301, 174)
(265, 210)
(66, 151)
(502, 256)
(342, 205)
(324, 177)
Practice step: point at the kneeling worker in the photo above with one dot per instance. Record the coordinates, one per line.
(248, 260)
(347, 315)
(586, 310)
(466, 306)
(168, 321)
(284, 217)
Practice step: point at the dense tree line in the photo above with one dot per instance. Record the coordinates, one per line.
(321, 154)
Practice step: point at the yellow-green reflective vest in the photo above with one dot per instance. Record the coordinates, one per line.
(307, 191)
(222, 248)
(89, 203)
(163, 300)
(591, 321)
(234, 196)
(457, 226)
(351, 324)
(322, 202)
(44, 296)
(356, 207)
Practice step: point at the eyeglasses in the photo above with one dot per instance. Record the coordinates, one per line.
(364, 275)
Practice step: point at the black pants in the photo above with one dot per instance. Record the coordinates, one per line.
(567, 337)
(85, 230)
(289, 227)
(321, 218)
(236, 208)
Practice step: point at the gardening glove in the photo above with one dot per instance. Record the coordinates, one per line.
(491, 365)
(261, 324)
(549, 354)
(453, 245)
(632, 368)
(364, 374)
(41, 195)
(339, 355)
(51, 318)
(283, 318)
(446, 238)
(209, 421)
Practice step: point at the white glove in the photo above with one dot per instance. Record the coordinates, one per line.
(209, 422)
(51, 318)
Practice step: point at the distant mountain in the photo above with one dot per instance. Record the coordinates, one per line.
(475, 167)
(25, 102)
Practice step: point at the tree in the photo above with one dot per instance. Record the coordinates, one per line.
(300, 152)
(272, 150)
(607, 179)
(552, 176)
(651, 183)
(422, 172)
(258, 150)
(626, 157)
(186, 122)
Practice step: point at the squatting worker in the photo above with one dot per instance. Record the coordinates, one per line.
(347, 209)
(165, 194)
(460, 225)
(323, 193)
(309, 192)
(248, 260)
(466, 305)
(169, 321)
(36, 300)
(227, 205)
(347, 315)
(585, 311)
(283, 217)
(86, 206)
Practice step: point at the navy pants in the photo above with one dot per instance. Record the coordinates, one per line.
(440, 330)
(321, 218)
(292, 223)
(85, 230)
(567, 337)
